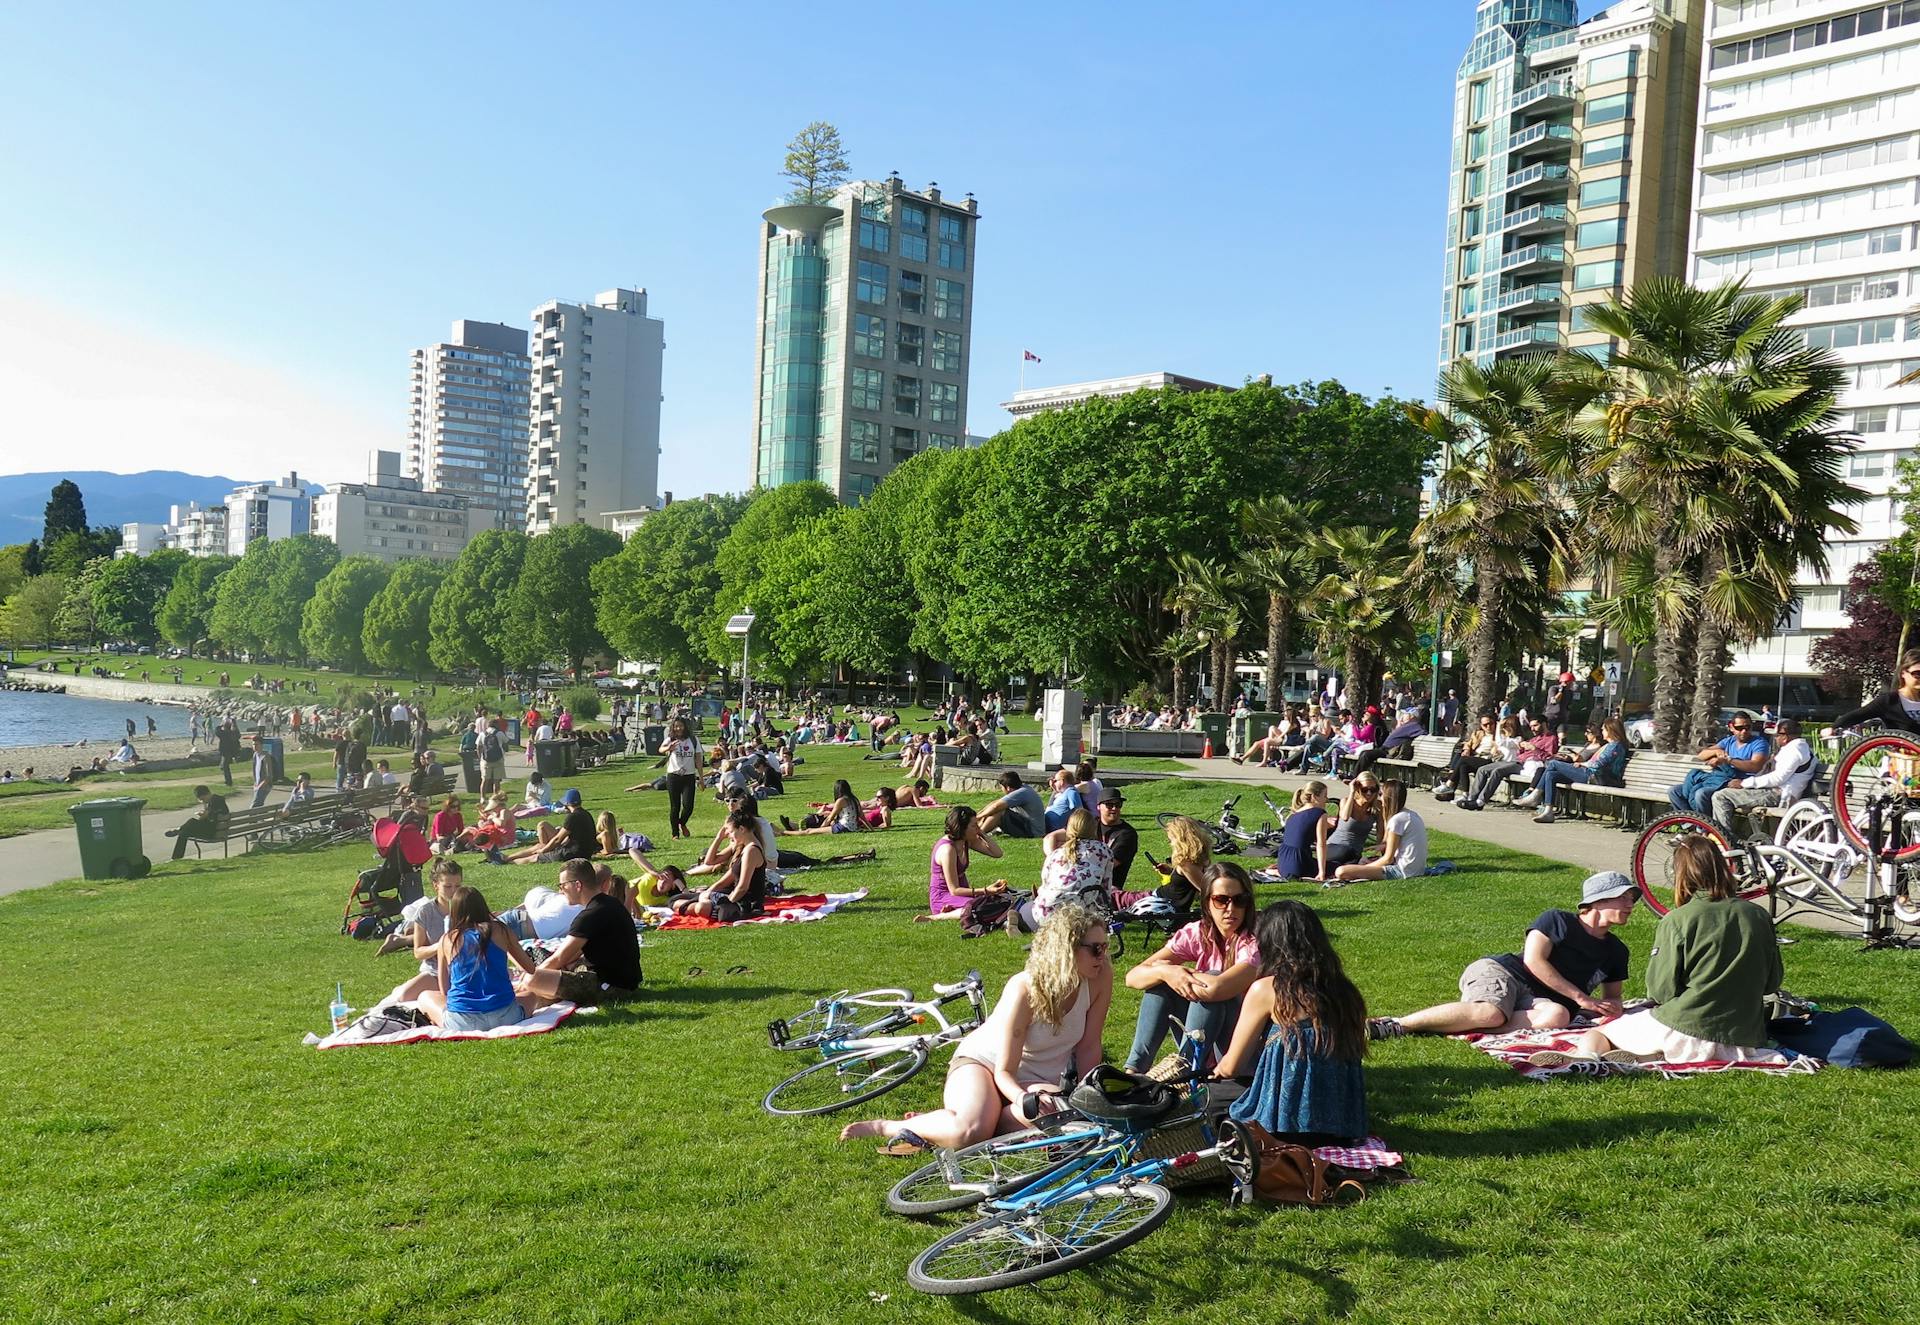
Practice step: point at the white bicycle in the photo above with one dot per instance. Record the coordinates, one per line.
(863, 1052)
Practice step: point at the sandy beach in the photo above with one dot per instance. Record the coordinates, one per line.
(55, 760)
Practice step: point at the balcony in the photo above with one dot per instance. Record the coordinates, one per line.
(1530, 299)
(1544, 178)
(1535, 258)
(1553, 94)
(1540, 219)
(1543, 139)
(1533, 336)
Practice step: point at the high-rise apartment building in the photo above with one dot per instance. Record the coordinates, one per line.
(267, 511)
(390, 517)
(1808, 182)
(467, 424)
(863, 342)
(196, 530)
(1572, 147)
(595, 412)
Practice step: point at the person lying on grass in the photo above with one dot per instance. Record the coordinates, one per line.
(599, 961)
(1303, 1029)
(1198, 976)
(1568, 956)
(1403, 841)
(915, 795)
(740, 893)
(948, 890)
(1044, 1031)
(720, 851)
(1714, 961)
(473, 991)
(879, 815)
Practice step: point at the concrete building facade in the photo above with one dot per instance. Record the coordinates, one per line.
(1042, 399)
(391, 518)
(1808, 182)
(267, 510)
(199, 531)
(467, 417)
(864, 334)
(594, 439)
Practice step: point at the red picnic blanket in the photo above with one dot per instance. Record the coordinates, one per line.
(783, 910)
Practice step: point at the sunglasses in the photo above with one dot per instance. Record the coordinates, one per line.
(1095, 949)
(1229, 899)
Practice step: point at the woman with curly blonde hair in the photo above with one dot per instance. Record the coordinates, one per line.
(1190, 856)
(1044, 1031)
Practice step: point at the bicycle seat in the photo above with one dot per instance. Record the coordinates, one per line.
(1109, 1095)
(948, 991)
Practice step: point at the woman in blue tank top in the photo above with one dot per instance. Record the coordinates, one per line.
(475, 993)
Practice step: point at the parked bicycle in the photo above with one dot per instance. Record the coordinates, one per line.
(863, 1052)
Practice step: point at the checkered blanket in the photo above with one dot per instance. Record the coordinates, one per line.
(1516, 1047)
(1371, 1153)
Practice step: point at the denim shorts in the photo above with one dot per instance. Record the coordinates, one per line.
(484, 1021)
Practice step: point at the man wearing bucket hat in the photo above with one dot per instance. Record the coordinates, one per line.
(1568, 957)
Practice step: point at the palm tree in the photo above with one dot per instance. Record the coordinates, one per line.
(1176, 648)
(1676, 450)
(1495, 514)
(1208, 598)
(1281, 563)
(1357, 604)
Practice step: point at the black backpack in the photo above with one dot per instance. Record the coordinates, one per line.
(987, 914)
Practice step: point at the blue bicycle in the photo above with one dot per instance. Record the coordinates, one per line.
(1062, 1196)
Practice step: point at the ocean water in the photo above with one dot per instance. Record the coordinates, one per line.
(30, 717)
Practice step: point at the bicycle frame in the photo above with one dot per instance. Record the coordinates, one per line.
(906, 1010)
(1877, 910)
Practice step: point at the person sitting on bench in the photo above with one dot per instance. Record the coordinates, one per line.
(209, 825)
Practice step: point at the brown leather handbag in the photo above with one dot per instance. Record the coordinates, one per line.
(1289, 1174)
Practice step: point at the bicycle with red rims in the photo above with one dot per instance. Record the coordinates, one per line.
(1878, 764)
(1653, 858)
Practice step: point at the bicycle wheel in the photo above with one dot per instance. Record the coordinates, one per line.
(1870, 767)
(845, 1079)
(995, 1167)
(1022, 1246)
(1653, 855)
(1810, 834)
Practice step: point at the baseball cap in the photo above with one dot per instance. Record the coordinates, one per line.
(571, 796)
(1604, 886)
(1112, 796)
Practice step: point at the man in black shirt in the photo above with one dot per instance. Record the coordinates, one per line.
(1118, 834)
(207, 826)
(578, 839)
(599, 961)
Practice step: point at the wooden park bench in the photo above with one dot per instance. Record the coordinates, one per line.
(252, 825)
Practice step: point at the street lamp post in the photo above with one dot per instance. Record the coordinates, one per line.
(740, 627)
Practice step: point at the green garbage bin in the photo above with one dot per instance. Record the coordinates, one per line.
(109, 832)
(1252, 728)
(1215, 727)
(554, 758)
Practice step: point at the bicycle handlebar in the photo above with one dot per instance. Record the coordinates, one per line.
(971, 983)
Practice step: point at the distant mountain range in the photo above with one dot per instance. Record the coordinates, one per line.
(110, 498)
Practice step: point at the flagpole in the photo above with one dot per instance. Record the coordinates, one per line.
(1023, 370)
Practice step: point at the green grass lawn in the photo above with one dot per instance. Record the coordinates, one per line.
(169, 1151)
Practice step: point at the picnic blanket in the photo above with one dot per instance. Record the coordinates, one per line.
(1515, 1048)
(784, 910)
(362, 1030)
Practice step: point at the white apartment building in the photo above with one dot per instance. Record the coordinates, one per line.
(390, 518)
(267, 510)
(139, 537)
(1807, 180)
(1045, 399)
(594, 438)
(196, 530)
(467, 420)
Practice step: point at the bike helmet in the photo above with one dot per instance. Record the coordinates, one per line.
(1153, 907)
(1109, 1095)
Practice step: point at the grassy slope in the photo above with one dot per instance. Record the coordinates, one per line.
(169, 1151)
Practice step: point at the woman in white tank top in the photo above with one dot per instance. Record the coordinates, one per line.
(1048, 1023)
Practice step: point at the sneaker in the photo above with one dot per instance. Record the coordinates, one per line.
(1555, 1058)
(1528, 801)
(1443, 793)
(786, 823)
(1620, 1058)
(1545, 816)
(1468, 804)
(1384, 1028)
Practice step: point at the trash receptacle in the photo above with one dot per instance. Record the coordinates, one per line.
(513, 732)
(276, 751)
(553, 758)
(1252, 728)
(1215, 727)
(109, 832)
(470, 770)
(654, 736)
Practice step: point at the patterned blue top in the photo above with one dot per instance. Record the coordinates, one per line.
(1298, 1090)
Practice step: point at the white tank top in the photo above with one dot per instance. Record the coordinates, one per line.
(1049, 1049)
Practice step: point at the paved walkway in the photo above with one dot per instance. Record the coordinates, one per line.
(34, 860)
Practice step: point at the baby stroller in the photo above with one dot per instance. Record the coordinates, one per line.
(382, 892)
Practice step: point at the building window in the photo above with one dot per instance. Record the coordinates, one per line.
(1477, 100)
(1601, 234)
(913, 219)
(1476, 183)
(913, 248)
(909, 343)
(1463, 339)
(871, 285)
(1469, 263)
(913, 292)
(859, 486)
(906, 396)
(1611, 68)
(949, 299)
(1846, 335)
(953, 256)
(1601, 192)
(1581, 313)
(868, 388)
(1596, 275)
(1600, 151)
(943, 441)
(953, 229)
(1476, 144)
(863, 441)
(1606, 110)
(946, 351)
(873, 235)
(870, 335)
(1470, 223)
(1870, 464)
(1469, 300)
(943, 402)
(1869, 421)
(906, 442)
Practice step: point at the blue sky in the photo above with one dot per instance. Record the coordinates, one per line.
(225, 226)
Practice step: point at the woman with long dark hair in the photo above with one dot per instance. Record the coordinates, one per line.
(681, 756)
(475, 992)
(1306, 1022)
(948, 890)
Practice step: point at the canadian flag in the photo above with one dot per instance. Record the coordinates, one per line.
(1029, 356)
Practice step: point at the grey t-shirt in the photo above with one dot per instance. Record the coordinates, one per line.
(1034, 811)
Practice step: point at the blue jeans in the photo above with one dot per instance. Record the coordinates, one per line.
(1556, 775)
(1695, 792)
(1215, 1020)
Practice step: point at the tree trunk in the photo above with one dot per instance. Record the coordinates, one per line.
(1672, 675)
(1483, 645)
(1222, 672)
(1179, 682)
(1279, 644)
(1710, 658)
(1356, 678)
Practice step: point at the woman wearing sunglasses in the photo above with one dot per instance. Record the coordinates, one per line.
(1897, 709)
(1198, 977)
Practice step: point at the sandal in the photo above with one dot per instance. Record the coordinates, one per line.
(693, 971)
(739, 970)
(906, 1144)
